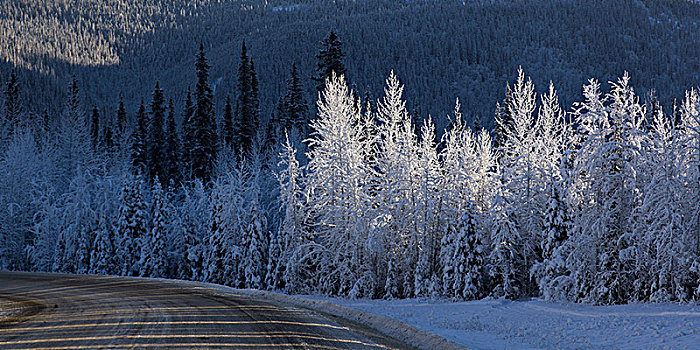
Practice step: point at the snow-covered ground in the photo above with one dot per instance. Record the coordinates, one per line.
(503, 324)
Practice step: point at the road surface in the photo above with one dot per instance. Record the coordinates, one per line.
(55, 311)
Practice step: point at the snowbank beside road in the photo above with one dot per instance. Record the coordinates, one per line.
(389, 326)
(503, 324)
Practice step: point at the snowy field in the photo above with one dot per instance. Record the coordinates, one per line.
(503, 324)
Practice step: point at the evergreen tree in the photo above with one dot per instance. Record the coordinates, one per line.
(295, 110)
(468, 258)
(188, 138)
(153, 253)
(427, 211)
(227, 132)
(391, 285)
(203, 143)
(291, 231)
(107, 134)
(255, 240)
(95, 127)
(330, 59)
(247, 106)
(83, 252)
(119, 136)
(504, 259)
(172, 148)
(131, 226)
(156, 142)
(121, 116)
(217, 245)
(74, 105)
(274, 277)
(13, 104)
(139, 154)
(504, 121)
(103, 254)
(605, 192)
(557, 227)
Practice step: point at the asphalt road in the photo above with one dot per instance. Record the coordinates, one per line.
(54, 311)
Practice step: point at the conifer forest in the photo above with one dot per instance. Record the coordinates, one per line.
(363, 149)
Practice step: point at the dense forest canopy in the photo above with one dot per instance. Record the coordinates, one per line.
(443, 49)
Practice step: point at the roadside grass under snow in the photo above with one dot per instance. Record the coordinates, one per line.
(503, 324)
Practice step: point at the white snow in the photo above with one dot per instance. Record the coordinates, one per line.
(503, 324)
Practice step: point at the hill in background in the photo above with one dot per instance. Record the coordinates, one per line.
(440, 49)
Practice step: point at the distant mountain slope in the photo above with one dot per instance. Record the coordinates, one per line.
(440, 49)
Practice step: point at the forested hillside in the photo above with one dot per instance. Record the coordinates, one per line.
(159, 143)
(443, 49)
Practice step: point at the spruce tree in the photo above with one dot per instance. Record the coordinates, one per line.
(295, 106)
(330, 59)
(204, 143)
(103, 255)
(217, 246)
(119, 133)
(557, 226)
(154, 258)
(83, 252)
(255, 240)
(13, 104)
(503, 266)
(155, 144)
(274, 278)
(74, 98)
(188, 139)
(131, 226)
(468, 258)
(227, 132)
(172, 148)
(95, 127)
(121, 115)
(107, 135)
(247, 111)
(138, 146)
(504, 121)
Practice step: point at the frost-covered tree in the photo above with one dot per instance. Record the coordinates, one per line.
(218, 241)
(154, 260)
(255, 234)
(293, 235)
(468, 258)
(397, 196)
(606, 192)
(427, 212)
(274, 271)
(557, 229)
(28, 204)
(191, 232)
(103, 253)
(337, 183)
(131, 226)
(505, 263)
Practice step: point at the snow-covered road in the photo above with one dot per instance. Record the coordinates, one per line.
(56, 311)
